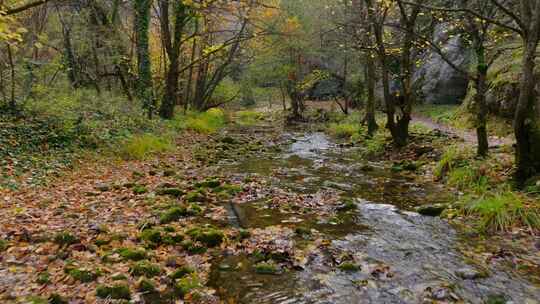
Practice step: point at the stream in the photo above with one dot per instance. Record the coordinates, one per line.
(402, 257)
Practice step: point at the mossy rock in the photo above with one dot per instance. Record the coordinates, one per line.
(146, 286)
(181, 272)
(194, 209)
(132, 254)
(244, 234)
(172, 239)
(3, 245)
(82, 275)
(119, 277)
(151, 235)
(211, 237)
(57, 299)
(145, 268)
(65, 238)
(172, 215)
(209, 183)
(266, 268)
(349, 267)
(176, 192)
(192, 247)
(102, 242)
(117, 292)
(349, 205)
(195, 196)
(139, 189)
(43, 277)
(229, 189)
(186, 284)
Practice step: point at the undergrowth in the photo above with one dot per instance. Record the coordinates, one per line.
(487, 195)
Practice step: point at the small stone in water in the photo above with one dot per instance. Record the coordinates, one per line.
(469, 274)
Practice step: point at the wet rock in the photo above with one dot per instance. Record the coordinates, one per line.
(431, 210)
(469, 274)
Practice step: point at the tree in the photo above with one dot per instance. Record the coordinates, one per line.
(144, 79)
(172, 44)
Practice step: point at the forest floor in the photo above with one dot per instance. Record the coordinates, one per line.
(157, 229)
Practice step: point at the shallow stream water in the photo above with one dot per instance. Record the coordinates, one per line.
(403, 257)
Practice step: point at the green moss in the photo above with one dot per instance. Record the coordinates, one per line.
(119, 277)
(176, 192)
(82, 275)
(192, 247)
(209, 183)
(117, 292)
(348, 266)
(211, 237)
(186, 284)
(266, 268)
(65, 238)
(43, 277)
(146, 286)
(348, 206)
(35, 300)
(3, 245)
(172, 239)
(145, 268)
(172, 215)
(57, 299)
(132, 254)
(194, 209)
(195, 196)
(102, 241)
(139, 189)
(181, 272)
(244, 234)
(151, 235)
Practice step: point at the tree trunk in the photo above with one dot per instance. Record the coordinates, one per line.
(144, 79)
(370, 106)
(526, 124)
(480, 98)
(171, 89)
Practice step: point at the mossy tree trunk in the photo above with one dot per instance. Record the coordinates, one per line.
(144, 78)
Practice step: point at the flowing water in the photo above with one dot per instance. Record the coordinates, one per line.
(403, 257)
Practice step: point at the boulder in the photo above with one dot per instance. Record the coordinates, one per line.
(437, 81)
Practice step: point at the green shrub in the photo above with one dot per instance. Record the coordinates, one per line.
(144, 145)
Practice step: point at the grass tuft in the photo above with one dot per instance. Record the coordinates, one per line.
(142, 146)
